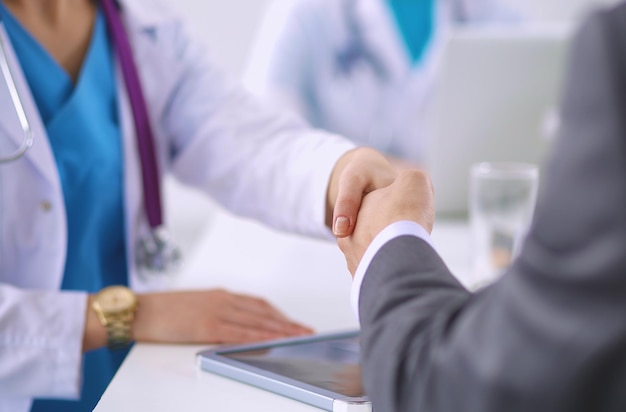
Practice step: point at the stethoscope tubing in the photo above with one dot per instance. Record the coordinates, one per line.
(27, 142)
(155, 252)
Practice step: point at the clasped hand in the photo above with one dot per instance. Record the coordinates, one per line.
(410, 197)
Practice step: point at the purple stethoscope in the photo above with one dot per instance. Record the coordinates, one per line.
(155, 253)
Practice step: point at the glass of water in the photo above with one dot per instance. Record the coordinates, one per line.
(502, 202)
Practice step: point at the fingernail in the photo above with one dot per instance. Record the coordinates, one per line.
(342, 225)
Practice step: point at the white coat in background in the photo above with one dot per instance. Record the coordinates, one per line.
(209, 133)
(294, 64)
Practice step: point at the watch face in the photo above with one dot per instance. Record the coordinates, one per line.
(116, 299)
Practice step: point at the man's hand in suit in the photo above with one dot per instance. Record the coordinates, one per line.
(409, 197)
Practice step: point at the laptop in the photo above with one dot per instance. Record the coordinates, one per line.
(496, 99)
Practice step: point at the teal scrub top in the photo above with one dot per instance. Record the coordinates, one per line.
(415, 22)
(82, 123)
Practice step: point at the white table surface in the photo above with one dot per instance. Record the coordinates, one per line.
(305, 278)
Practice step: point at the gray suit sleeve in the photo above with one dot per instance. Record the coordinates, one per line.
(550, 335)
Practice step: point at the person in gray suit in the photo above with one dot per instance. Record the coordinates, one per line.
(550, 335)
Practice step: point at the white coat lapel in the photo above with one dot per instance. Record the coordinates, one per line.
(40, 154)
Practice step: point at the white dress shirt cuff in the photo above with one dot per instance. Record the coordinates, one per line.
(394, 230)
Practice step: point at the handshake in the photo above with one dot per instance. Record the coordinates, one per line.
(410, 197)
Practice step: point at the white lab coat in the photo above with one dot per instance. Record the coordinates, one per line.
(209, 134)
(293, 64)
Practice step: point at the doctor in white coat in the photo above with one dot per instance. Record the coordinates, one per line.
(362, 68)
(207, 131)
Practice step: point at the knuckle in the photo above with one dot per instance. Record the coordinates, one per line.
(353, 179)
(415, 177)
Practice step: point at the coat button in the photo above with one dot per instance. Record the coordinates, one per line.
(46, 206)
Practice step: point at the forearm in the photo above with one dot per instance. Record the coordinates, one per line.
(254, 160)
(275, 170)
(152, 320)
(95, 334)
(403, 317)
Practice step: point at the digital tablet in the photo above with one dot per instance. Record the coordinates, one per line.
(320, 370)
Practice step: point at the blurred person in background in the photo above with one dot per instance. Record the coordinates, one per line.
(361, 68)
(116, 95)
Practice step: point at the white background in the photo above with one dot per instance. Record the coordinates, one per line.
(228, 28)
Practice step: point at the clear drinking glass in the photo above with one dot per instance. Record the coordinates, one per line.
(502, 202)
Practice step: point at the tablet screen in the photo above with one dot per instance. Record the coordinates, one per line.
(328, 364)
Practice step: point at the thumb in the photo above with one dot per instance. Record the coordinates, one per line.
(349, 195)
(363, 170)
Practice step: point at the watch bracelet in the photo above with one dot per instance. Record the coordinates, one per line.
(118, 332)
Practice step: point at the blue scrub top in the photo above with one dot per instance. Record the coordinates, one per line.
(415, 22)
(83, 128)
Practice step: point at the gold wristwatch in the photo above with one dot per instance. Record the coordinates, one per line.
(115, 307)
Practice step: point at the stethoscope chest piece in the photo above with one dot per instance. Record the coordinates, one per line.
(157, 254)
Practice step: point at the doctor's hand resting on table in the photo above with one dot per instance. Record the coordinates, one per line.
(365, 69)
(117, 95)
(549, 335)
